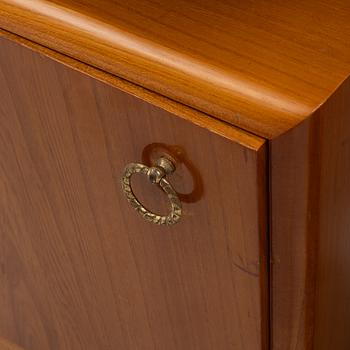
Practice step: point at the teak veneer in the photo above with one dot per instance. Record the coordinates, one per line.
(252, 97)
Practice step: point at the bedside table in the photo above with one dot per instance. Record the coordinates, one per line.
(175, 175)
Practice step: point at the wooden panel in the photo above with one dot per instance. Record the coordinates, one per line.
(261, 65)
(333, 264)
(292, 260)
(79, 268)
(310, 231)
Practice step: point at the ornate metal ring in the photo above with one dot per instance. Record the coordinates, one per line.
(157, 176)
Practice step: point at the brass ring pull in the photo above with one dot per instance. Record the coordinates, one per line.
(157, 175)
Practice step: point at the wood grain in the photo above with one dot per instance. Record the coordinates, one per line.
(198, 118)
(310, 230)
(264, 66)
(79, 268)
(5, 345)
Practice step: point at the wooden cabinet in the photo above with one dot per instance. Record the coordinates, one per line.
(250, 102)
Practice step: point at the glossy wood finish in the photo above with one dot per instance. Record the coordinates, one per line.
(310, 231)
(79, 268)
(264, 66)
(223, 129)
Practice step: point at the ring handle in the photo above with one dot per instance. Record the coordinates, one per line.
(156, 175)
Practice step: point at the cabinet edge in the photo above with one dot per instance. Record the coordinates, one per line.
(198, 118)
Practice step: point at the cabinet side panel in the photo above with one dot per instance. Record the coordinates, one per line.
(333, 278)
(290, 262)
(310, 230)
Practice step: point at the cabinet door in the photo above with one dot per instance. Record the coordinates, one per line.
(79, 268)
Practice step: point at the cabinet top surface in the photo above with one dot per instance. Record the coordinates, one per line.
(264, 66)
